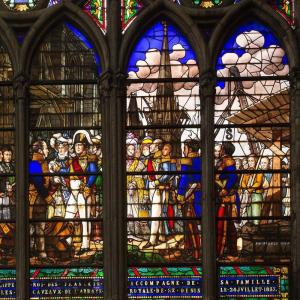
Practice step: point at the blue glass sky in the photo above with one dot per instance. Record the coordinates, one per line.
(153, 39)
(86, 42)
(232, 47)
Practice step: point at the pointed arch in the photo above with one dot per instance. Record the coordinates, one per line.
(9, 42)
(65, 12)
(252, 100)
(158, 11)
(251, 10)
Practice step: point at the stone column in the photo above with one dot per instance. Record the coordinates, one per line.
(207, 95)
(114, 175)
(295, 182)
(21, 86)
(112, 86)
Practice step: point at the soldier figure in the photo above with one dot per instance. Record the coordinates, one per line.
(228, 200)
(81, 167)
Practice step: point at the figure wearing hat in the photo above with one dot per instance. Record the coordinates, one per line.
(59, 193)
(81, 185)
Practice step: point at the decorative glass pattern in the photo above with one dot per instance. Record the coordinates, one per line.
(20, 5)
(254, 282)
(96, 10)
(286, 8)
(65, 163)
(165, 283)
(207, 3)
(70, 283)
(247, 282)
(252, 151)
(54, 2)
(163, 150)
(130, 8)
(202, 3)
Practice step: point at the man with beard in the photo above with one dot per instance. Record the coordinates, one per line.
(228, 200)
(190, 196)
(81, 185)
(38, 192)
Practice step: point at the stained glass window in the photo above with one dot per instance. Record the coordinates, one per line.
(130, 8)
(286, 8)
(65, 165)
(7, 176)
(202, 3)
(163, 152)
(20, 5)
(96, 9)
(207, 3)
(252, 150)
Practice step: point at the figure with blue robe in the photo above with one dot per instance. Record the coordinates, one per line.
(189, 196)
(38, 192)
(228, 201)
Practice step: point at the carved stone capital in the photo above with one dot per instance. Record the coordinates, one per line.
(105, 84)
(21, 86)
(207, 82)
(109, 81)
(295, 81)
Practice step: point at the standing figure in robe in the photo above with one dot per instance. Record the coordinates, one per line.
(135, 183)
(228, 202)
(83, 173)
(252, 184)
(153, 165)
(38, 193)
(59, 193)
(166, 186)
(189, 196)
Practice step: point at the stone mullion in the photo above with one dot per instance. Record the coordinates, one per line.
(295, 182)
(207, 95)
(112, 87)
(21, 87)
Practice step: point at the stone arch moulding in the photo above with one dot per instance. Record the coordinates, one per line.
(9, 41)
(50, 19)
(251, 10)
(178, 18)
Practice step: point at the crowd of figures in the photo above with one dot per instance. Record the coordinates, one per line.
(161, 187)
(7, 200)
(64, 196)
(164, 196)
